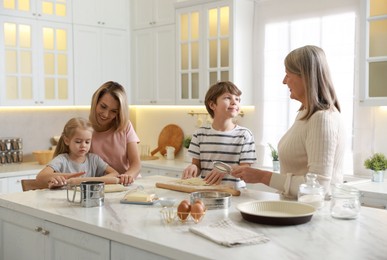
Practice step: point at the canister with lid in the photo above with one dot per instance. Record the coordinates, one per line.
(345, 203)
(311, 192)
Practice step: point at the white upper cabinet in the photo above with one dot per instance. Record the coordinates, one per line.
(49, 10)
(374, 61)
(101, 46)
(36, 64)
(153, 52)
(100, 55)
(149, 13)
(105, 13)
(153, 59)
(214, 43)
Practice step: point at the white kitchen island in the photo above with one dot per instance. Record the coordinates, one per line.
(43, 225)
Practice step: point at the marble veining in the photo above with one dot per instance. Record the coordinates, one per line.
(141, 226)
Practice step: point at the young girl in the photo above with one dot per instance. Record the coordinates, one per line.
(72, 158)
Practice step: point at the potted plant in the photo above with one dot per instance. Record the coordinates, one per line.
(186, 143)
(274, 156)
(378, 164)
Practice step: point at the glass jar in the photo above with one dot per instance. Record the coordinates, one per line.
(311, 192)
(345, 203)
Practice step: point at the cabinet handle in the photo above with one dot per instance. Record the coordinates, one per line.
(38, 229)
(45, 232)
(373, 206)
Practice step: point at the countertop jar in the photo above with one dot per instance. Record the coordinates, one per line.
(345, 203)
(311, 192)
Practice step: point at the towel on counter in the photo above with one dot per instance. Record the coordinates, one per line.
(226, 233)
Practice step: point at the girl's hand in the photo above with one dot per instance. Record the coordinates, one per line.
(56, 181)
(190, 172)
(126, 179)
(61, 180)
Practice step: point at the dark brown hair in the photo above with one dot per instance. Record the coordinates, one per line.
(217, 90)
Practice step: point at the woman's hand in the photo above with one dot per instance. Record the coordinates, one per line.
(214, 177)
(251, 175)
(190, 172)
(126, 179)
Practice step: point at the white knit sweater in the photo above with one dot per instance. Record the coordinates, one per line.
(316, 146)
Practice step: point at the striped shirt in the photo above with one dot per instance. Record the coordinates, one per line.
(232, 147)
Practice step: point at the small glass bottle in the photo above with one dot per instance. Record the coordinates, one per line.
(311, 192)
(345, 202)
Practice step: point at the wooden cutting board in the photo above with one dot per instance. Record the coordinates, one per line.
(171, 135)
(172, 185)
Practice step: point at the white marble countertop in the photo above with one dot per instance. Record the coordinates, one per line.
(141, 226)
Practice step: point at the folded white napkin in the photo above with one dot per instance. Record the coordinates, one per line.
(226, 233)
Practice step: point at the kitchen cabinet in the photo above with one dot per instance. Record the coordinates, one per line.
(374, 53)
(121, 252)
(13, 184)
(214, 43)
(100, 55)
(373, 194)
(37, 64)
(104, 13)
(149, 171)
(42, 239)
(153, 57)
(49, 10)
(3, 185)
(150, 13)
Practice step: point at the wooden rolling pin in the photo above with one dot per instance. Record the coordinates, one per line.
(106, 180)
(189, 189)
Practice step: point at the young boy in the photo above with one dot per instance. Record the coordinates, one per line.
(222, 141)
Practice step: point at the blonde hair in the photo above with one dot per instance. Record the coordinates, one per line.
(69, 131)
(118, 93)
(217, 90)
(309, 62)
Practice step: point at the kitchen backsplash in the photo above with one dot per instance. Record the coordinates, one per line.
(36, 126)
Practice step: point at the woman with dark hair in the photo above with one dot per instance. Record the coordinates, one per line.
(114, 138)
(316, 141)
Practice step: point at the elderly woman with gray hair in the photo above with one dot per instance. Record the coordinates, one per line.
(316, 141)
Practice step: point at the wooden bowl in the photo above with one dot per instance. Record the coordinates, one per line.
(43, 156)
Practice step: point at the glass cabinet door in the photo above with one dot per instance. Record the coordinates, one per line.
(376, 51)
(19, 71)
(204, 50)
(189, 48)
(36, 64)
(55, 64)
(218, 38)
(52, 10)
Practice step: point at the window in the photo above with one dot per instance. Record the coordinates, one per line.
(335, 33)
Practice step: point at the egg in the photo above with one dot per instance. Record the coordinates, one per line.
(183, 209)
(197, 211)
(201, 202)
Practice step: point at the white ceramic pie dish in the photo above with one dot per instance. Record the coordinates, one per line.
(276, 212)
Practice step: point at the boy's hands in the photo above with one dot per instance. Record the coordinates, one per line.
(214, 177)
(190, 172)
